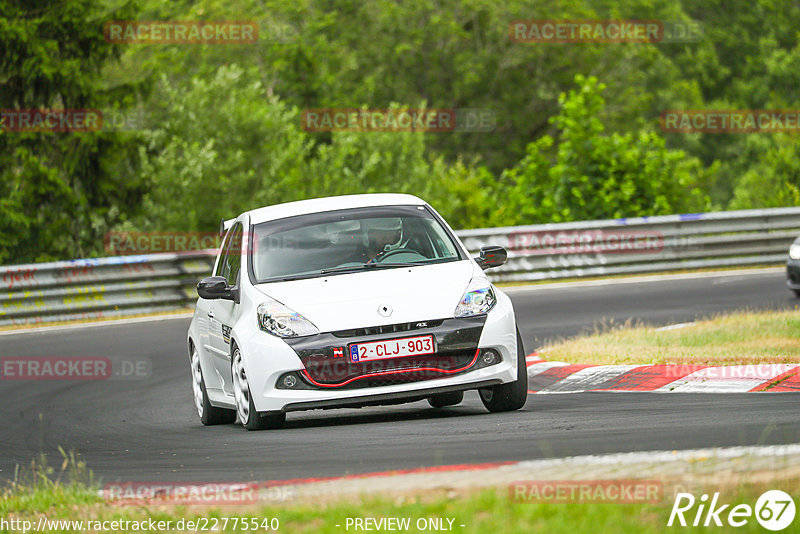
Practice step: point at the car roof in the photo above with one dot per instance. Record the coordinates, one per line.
(316, 205)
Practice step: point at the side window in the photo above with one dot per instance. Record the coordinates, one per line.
(223, 255)
(234, 256)
(230, 260)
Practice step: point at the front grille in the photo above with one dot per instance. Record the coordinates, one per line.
(415, 372)
(348, 375)
(325, 356)
(387, 329)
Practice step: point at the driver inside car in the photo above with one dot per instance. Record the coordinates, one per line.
(383, 235)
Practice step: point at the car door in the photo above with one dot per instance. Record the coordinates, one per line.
(206, 329)
(222, 312)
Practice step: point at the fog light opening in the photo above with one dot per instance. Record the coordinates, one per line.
(490, 357)
(289, 381)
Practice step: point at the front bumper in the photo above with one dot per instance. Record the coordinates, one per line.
(382, 399)
(327, 362)
(328, 381)
(793, 274)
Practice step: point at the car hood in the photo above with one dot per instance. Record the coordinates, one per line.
(345, 301)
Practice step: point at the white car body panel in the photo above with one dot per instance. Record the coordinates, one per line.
(352, 300)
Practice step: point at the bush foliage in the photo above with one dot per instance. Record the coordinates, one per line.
(576, 131)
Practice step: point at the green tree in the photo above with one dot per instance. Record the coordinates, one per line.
(221, 145)
(591, 175)
(773, 179)
(59, 192)
(448, 54)
(215, 147)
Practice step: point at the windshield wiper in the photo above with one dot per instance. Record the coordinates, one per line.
(347, 268)
(409, 264)
(353, 269)
(366, 266)
(334, 270)
(292, 278)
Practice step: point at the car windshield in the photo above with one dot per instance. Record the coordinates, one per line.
(349, 241)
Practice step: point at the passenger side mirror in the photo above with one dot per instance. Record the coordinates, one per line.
(216, 287)
(492, 256)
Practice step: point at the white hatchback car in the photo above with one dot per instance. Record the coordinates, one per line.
(346, 302)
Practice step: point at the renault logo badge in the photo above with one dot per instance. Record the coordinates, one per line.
(385, 310)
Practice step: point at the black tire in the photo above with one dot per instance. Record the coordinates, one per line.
(211, 415)
(796, 292)
(215, 416)
(252, 420)
(441, 400)
(511, 396)
(264, 421)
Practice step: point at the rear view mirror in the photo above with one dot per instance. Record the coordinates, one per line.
(215, 287)
(492, 256)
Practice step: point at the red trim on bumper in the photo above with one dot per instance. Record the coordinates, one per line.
(395, 372)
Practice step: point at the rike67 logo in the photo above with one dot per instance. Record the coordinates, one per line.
(774, 510)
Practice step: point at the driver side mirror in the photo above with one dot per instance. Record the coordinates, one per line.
(492, 256)
(216, 287)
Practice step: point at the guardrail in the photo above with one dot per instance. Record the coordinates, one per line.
(641, 245)
(99, 288)
(108, 287)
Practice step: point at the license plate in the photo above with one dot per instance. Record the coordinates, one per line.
(391, 348)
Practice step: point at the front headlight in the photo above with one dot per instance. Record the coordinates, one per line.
(277, 319)
(478, 299)
(794, 251)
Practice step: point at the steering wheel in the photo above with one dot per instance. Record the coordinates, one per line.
(416, 256)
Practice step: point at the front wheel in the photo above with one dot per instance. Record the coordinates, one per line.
(245, 409)
(511, 396)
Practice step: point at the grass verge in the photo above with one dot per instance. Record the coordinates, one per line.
(490, 510)
(70, 500)
(737, 338)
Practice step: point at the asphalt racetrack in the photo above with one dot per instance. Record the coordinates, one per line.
(147, 429)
